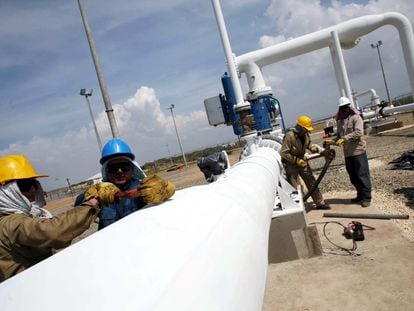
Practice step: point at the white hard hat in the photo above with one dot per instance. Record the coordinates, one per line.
(343, 101)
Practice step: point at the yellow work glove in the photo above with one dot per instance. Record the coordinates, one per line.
(154, 189)
(104, 192)
(314, 149)
(301, 162)
(340, 141)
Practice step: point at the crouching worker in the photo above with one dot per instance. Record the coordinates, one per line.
(28, 232)
(132, 191)
(295, 144)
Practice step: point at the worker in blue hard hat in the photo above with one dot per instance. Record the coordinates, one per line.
(133, 189)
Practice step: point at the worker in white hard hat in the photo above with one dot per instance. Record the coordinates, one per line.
(295, 144)
(350, 136)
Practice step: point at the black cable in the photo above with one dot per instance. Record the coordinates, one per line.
(354, 244)
(348, 250)
(368, 227)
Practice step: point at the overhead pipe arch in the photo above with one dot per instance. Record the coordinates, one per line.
(374, 97)
(349, 34)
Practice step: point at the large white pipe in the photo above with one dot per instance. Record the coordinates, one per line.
(205, 249)
(349, 33)
(387, 111)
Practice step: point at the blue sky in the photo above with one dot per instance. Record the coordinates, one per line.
(157, 53)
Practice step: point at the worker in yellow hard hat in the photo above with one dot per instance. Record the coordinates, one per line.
(29, 233)
(295, 144)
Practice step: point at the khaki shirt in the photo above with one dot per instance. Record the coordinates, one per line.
(352, 128)
(293, 148)
(25, 241)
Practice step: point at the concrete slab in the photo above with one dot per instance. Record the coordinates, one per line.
(379, 275)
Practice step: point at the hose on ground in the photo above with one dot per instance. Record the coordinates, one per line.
(328, 161)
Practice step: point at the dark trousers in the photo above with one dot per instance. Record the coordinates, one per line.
(358, 171)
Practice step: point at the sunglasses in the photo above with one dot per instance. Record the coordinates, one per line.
(25, 185)
(115, 167)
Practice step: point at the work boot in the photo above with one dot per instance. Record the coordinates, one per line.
(356, 200)
(365, 203)
(323, 206)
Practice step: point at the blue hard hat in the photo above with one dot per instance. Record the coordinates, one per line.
(116, 147)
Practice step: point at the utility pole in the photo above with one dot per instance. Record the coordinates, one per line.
(88, 93)
(169, 154)
(178, 136)
(376, 46)
(104, 90)
(70, 187)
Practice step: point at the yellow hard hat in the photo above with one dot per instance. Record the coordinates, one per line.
(305, 122)
(16, 166)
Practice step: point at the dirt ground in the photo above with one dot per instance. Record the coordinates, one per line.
(379, 274)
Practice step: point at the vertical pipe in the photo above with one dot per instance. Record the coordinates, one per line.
(342, 69)
(405, 30)
(255, 78)
(335, 63)
(102, 84)
(228, 53)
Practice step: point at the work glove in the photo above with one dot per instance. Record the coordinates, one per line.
(314, 149)
(301, 163)
(104, 192)
(340, 141)
(154, 189)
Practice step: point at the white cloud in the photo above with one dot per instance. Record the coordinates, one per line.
(297, 17)
(266, 41)
(142, 124)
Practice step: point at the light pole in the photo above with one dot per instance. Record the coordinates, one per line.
(376, 46)
(169, 154)
(176, 131)
(88, 93)
(70, 187)
(102, 84)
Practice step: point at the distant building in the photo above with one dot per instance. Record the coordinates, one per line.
(97, 178)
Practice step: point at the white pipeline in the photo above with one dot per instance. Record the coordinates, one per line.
(387, 111)
(205, 249)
